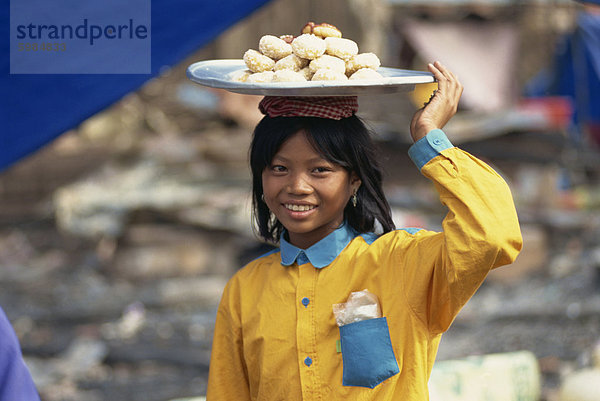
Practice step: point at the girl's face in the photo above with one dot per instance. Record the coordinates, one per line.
(306, 193)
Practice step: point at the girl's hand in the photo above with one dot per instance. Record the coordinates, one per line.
(441, 107)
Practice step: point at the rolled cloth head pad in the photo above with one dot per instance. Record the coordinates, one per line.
(334, 107)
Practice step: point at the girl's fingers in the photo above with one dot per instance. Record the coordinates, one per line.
(444, 74)
(446, 79)
(439, 76)
(442, 81)
(445, 71)
(443, 77)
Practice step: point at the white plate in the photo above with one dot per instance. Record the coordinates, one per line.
(218, 73)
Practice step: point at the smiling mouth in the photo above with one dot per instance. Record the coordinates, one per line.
(299, 208)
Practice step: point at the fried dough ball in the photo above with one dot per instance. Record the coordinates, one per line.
(308, 46)
(288, 76)
(308, 28)
(326, 30)
(326, 74)
(307, 73)
(241, 76)
(363, 60)
(261, 77)
(340, 47)
(366, 73)
(257, 62)
(328, 62)
(274, 47)
(291, 62)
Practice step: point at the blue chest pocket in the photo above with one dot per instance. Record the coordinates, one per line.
(367, 353)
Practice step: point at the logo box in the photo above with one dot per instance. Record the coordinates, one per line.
(80, 37)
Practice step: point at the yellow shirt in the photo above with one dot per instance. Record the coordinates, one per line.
(276, 337)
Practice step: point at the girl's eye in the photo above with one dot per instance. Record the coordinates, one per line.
(321, 169)
(278, 168)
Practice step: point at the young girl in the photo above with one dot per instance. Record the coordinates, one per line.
(317, 191)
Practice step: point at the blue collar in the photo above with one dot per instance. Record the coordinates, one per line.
(320, 254)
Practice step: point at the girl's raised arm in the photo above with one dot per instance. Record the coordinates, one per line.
(441, 271)
(441, 107)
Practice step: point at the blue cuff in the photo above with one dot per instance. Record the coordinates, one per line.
(428, 147)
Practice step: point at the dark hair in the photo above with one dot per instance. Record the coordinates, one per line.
(346, 142)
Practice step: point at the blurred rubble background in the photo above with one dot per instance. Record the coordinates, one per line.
(117, 239)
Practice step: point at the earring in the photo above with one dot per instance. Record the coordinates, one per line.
(262, 197)
(354, 200)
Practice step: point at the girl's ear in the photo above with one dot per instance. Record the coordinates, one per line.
(355, 182)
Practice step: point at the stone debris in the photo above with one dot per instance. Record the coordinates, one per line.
(190, 399)
(583, 384)
(100, 205)
(131, 322)
(198, 291)
(512, 376)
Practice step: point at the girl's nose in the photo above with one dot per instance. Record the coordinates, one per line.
(299, 185)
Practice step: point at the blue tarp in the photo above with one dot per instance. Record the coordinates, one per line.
(575, 72)
(35, 109)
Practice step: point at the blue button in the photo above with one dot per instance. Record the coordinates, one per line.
(308, 361)
(437, 141)
(305, 301)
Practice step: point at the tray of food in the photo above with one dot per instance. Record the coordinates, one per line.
(318, 62)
